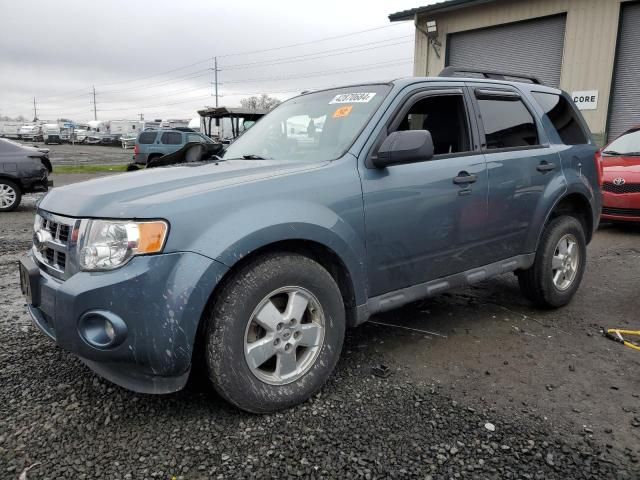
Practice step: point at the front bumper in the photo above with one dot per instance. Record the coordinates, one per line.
(621, 207)
(160, 299)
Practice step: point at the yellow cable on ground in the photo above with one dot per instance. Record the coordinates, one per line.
(615, 334)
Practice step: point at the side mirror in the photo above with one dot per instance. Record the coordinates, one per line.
(406, 146)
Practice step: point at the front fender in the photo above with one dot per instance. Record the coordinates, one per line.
(241, 232)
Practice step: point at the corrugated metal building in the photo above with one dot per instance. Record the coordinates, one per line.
(590, 48)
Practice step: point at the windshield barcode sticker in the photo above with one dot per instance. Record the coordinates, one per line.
(361, 97)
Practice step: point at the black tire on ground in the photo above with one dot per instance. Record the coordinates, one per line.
(229, 317)
(536, 283)
(7, 186)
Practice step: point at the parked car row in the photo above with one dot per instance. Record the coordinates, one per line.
(23, 170)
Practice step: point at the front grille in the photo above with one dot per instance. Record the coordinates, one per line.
(620, 189)
(623, 212)
(52, 253)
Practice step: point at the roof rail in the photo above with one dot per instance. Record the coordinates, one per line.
(451, 71)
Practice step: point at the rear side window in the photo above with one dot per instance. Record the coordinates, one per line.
(507, 123)
(171, 138)
(563, 116)
(146, 138)
(193, 137)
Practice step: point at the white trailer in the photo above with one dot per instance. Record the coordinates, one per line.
(126, 128)
(175, 122)
(10, 129)
(30, 132)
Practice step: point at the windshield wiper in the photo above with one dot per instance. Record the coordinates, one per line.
(254, 157)
(619, 154)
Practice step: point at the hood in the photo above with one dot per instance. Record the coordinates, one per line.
(142, 194)
(621, 167)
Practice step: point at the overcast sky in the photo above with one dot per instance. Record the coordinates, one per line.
(155, 57)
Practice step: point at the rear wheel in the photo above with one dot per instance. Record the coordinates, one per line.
(559, 265)
(275, 333)
(10, 195)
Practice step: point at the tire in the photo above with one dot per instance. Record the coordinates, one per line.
(10, 195)
(542, 283)
(232, 327)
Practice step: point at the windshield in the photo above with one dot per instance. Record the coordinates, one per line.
(314, 127)
(626, 144)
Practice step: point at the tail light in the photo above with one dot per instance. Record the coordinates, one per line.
(599, 167)
(136, 149)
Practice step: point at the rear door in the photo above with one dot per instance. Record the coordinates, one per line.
(170, 142)
(521, 164)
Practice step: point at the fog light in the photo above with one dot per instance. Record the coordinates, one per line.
(109, 330)
(102, 329)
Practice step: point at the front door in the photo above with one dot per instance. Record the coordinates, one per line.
(425, 220)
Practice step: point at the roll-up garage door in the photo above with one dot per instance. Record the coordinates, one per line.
(625, 101)
(532, 48)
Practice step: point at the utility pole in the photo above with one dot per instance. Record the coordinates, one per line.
(215, 79)
(95, 111)
(35, 110)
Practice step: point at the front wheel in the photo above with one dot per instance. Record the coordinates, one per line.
(10, 195)
(559, 265)
(275, 333)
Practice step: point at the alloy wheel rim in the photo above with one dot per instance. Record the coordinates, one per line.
(565, 262)
(284, 336)
(7, 195)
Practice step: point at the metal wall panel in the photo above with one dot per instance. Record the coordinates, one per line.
(625, 102)
(532, 47)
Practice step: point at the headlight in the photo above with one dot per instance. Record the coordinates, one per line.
(107, 244)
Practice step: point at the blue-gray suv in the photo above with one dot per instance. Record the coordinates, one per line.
(337, 205)
(152, 144)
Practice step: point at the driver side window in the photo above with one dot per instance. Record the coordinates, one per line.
(444, 116)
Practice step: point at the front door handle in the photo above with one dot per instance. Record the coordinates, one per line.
(545, 166)
(464, 178)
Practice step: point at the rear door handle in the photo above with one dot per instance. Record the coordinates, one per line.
(464, 178)
(545, 166)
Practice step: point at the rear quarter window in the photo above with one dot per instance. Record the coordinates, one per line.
(146, 138)
(563, 116)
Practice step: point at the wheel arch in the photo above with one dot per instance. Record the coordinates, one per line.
(14, 180)
(312, 249)
(575, 204)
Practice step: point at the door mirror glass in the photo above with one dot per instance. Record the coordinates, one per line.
(407, 146)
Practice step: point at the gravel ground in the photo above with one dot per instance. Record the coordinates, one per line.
(558, 400)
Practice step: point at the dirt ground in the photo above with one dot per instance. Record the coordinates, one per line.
(83, 154)
(489, 350)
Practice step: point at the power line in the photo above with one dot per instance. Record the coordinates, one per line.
(282, 47)
(350, 49)
(328, 72)
(208, 59)
(313, 56)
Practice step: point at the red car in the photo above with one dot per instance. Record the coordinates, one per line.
(620, 166)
